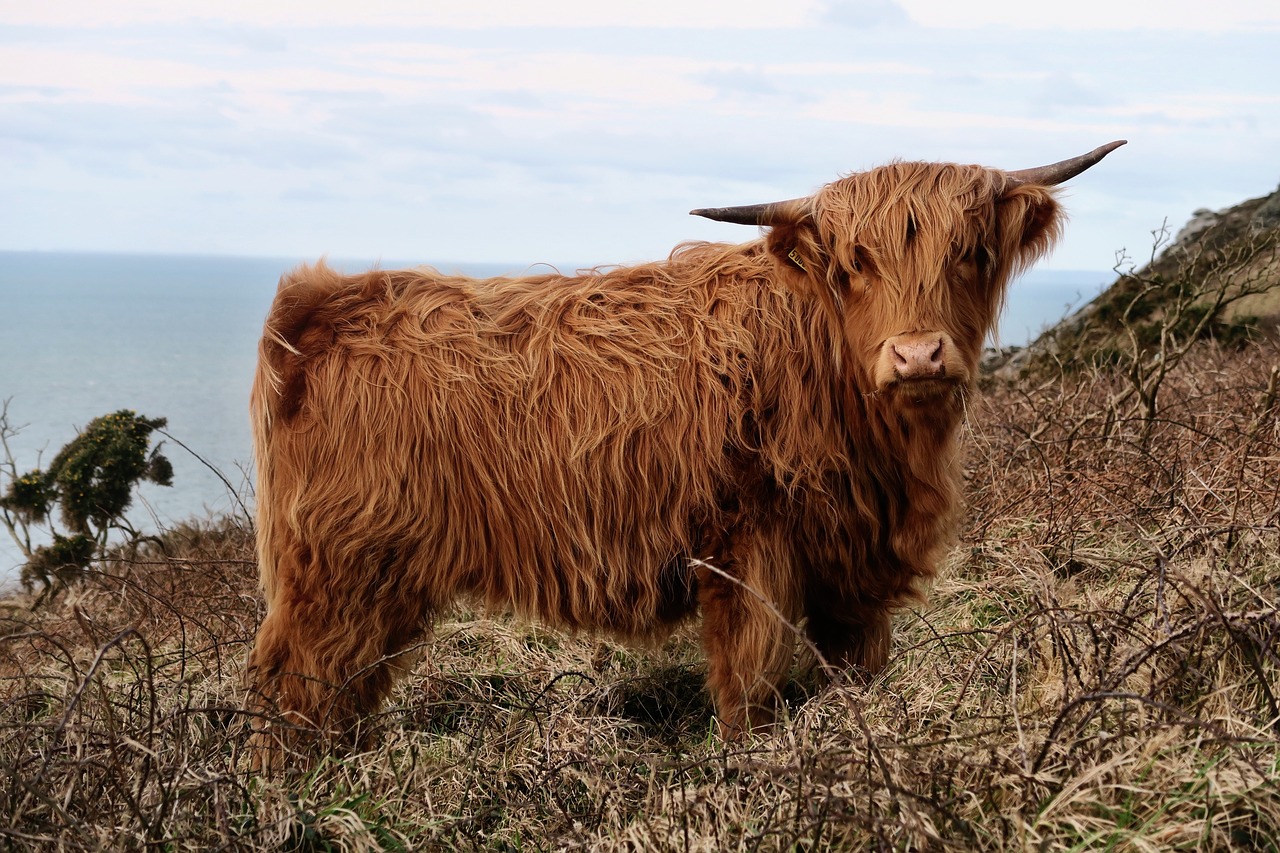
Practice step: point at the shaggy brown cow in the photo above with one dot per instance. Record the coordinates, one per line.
(583, 449)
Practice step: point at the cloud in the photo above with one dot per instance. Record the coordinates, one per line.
(401, 14)
(1069, 90)
(864, 14)
(1184, 15)
(749, 89)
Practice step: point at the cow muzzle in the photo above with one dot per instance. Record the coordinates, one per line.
(920, 359)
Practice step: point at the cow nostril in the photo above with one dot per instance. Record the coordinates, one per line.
(918, 356)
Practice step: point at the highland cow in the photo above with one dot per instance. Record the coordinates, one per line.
(764, 433)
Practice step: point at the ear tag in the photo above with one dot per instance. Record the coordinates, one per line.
(794, 257)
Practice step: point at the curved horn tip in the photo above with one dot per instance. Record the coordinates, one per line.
(751, 214)
(1064, 170)
(756, 214)
(714, 213)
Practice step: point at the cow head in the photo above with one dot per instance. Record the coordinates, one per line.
(913, 260)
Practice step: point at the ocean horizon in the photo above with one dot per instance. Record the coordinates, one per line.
(175, 336)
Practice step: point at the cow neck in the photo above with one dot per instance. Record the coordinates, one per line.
(907, 448)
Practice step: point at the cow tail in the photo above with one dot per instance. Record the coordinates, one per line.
(278, 395)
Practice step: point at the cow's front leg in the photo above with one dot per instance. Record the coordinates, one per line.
(748, 636)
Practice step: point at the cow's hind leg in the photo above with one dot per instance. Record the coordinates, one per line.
(748, 638)
(850, 637)
(326, 656)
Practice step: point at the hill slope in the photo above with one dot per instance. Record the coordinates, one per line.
(1218, 278)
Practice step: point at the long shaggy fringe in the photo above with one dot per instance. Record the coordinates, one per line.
(568, 447)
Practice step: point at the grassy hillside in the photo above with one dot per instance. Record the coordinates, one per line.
(1097, 668)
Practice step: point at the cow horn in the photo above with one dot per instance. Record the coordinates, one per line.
(1056, 173)
(772, 213)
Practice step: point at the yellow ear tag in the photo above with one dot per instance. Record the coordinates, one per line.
(794, 257)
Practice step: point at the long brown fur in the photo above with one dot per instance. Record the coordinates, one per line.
(562, 446)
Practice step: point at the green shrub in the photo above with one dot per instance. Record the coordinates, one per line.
(91, 481)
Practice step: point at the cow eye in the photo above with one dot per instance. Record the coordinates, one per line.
(860, 262)
(911, 228)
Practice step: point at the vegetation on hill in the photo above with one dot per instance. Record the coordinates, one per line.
(1097, 668)
(1219, 279)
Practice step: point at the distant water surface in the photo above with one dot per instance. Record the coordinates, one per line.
(82, 335)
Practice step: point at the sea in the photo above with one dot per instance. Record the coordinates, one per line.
(175, 336)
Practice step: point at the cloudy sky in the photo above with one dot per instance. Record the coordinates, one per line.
(582, 131)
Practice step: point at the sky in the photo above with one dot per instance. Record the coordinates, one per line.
(582, 132)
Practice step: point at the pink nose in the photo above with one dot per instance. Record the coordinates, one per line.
(918, 356)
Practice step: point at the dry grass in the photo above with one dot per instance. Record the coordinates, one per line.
(1098, 668)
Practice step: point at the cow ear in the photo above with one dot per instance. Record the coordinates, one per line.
(1030, 221)
(796, 247)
